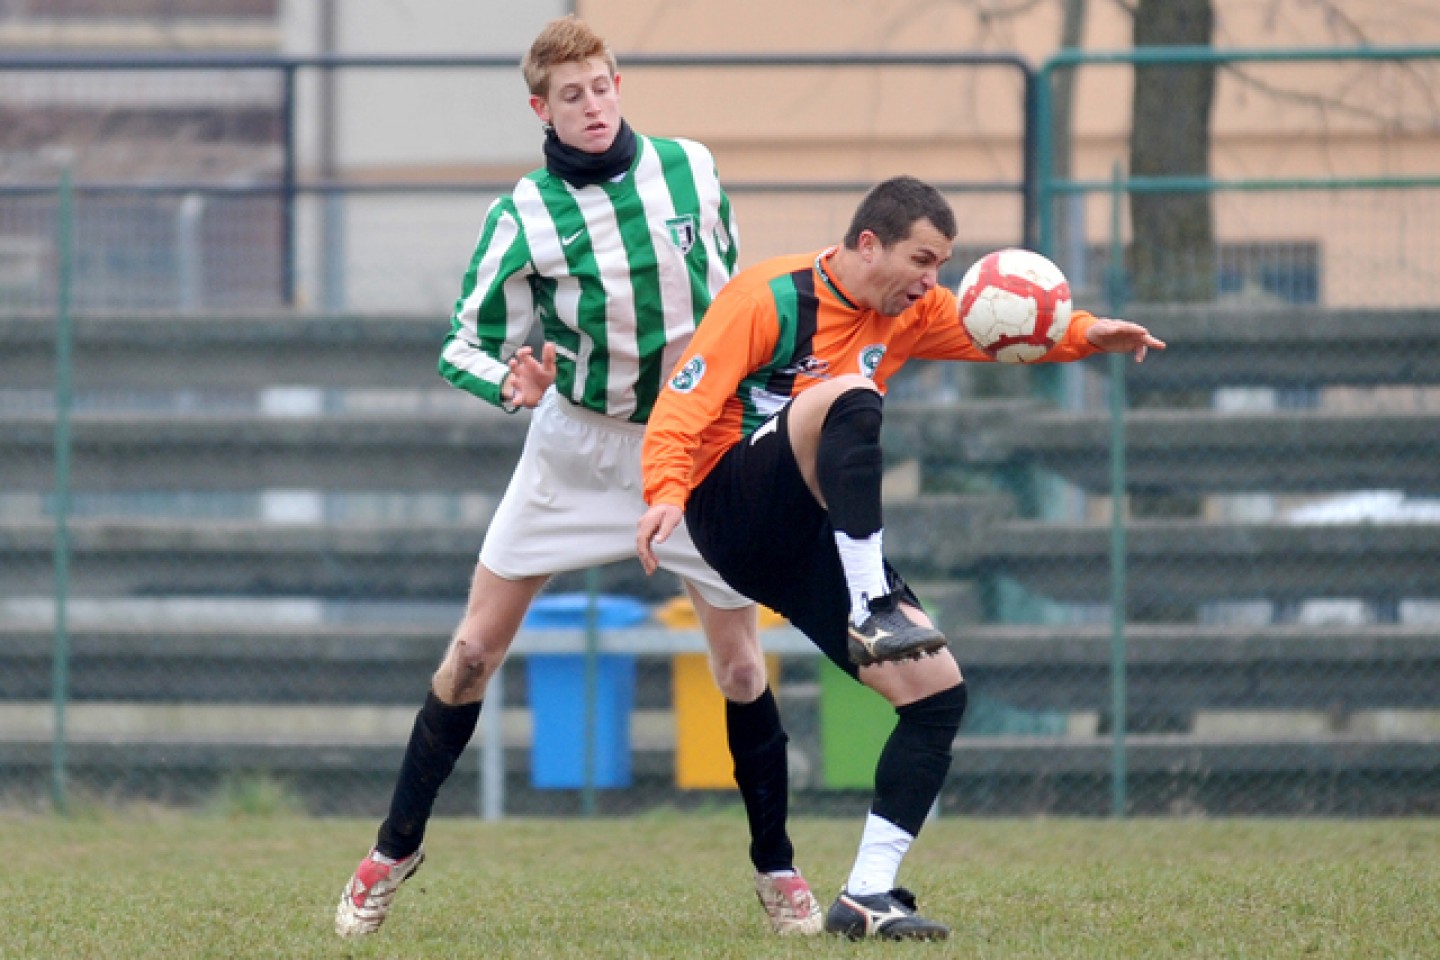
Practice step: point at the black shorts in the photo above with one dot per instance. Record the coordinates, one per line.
(755, 521)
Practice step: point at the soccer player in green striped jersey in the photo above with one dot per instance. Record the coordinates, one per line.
(615, 247)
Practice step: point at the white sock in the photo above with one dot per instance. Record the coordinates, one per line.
(882, 846)
(864, 563)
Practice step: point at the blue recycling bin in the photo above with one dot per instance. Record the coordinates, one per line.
(557, 696)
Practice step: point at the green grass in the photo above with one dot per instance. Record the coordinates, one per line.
(161, 885)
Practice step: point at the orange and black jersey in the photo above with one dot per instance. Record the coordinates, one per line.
(776, 330)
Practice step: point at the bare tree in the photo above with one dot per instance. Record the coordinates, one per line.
(1172, 253)
(1069, 228)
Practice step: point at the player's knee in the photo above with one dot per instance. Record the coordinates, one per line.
(740, 679)
(466, 670)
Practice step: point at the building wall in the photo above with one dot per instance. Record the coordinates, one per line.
(1269, 121)
(390, 122)
(845, 124)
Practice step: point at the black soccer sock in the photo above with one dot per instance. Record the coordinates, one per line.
(762, 771)
(916, 758)
(439, 736)
(849, 463)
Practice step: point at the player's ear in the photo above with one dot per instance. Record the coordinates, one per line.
(869, 244)
(541, 108)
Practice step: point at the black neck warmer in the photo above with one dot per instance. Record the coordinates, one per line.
(581, 169)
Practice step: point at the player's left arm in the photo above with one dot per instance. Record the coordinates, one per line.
(735, 338)
(1109, 335)
(1088, 334)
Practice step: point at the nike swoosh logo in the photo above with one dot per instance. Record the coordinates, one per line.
(566, 241)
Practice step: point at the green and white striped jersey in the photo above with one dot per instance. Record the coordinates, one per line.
(618, 274)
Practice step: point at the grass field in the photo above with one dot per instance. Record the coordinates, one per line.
(673, 885)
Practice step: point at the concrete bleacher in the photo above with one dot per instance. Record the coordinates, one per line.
(1187, 449)
(1182, 670)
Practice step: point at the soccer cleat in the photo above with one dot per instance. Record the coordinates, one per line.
(367, 897)
(788, 902)
(883, 916)
(887, 635)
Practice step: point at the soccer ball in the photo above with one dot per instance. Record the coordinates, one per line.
(1015, 305)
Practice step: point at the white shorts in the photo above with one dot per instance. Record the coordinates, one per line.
(574, 500)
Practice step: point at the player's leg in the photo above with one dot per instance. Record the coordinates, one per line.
(524, 544)
(735, 531)
(834, 432)
(929, 698)
(780, 549)
(754, 733)
(758, 747)
(447, 721)
(443, 728)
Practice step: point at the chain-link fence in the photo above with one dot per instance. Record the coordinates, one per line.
(1216, 594)
(237, 523)
(239, 511)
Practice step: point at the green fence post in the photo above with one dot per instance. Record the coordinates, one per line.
(60, 649)
(1116, 297)
(592, 687)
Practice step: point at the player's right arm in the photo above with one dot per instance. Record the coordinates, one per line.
(689, 408)
(495, 310)
(736, 337)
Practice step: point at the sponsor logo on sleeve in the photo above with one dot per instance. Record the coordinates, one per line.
(687, 378)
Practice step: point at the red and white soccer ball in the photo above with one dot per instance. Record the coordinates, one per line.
(1015, 304)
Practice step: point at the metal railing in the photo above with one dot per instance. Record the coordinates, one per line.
(289, 185)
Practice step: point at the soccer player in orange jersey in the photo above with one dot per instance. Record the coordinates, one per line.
(766, 442)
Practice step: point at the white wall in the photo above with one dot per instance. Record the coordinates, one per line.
(385, 252)
(389, 119)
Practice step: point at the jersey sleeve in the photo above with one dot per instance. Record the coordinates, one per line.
(727, 234)
(722, 239)
(495, 310)
(945, 337)
(737, 337)
(1073, 346)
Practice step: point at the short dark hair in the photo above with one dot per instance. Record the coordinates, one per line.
(892, 208)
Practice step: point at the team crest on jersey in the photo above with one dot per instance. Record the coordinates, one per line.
(682, 231)
(870, 358)
(687, 378)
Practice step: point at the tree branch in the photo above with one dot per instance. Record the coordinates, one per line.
(998, 10)
(1316, 101)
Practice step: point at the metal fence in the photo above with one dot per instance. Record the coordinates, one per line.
(238, 514)
(254, 182)
(1269, 609)
(239, 510)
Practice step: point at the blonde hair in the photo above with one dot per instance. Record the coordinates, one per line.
(566, 40)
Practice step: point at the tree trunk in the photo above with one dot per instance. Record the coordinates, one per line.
(1069, 222)
(1172, 255)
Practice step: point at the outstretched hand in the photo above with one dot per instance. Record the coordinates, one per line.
(1122, 336)
(530, 378)
(655, 526)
